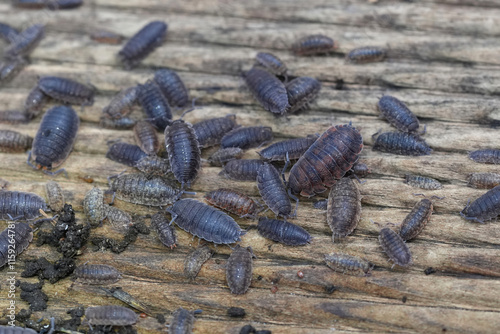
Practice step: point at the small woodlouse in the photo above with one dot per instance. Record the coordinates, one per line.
(283, 232)
(223, 155)
(484, 208)
(348, 264)
(271, 63)
(63, 4)
(273, 191)
(166, 233)
(242, 169)
(123, 123)
(110, 315)
(239, 270)
(398, 114)
(142, 44)
(16, 330)
(327, 160)
(182, 322)
(247, 137)
(233, 201)
(96, 274)
(119, 219)
(401, 143)
(122, 103)
(126, 154)
(422, 182)
(10, 68)
(487, 156)
(146, 137)
(268, 90)
(155, 105)
(106, 37)
(35, 102)
(395, 247)
(205, 222)
(367, 54)
(416, 220)
(8, 33)
(321, 204)
(12, 141)
(172, 87)
(301, 92)
(359, 170)
(211, 131)
(153, 165)
(55, 196)
(26, 41)
(67, 90)
(195, 260)
(344, 208)
(13, 117)
(93, 206)
(294, 148)
(21, 233)
(484, 180)
(313, 45)
(20, 205)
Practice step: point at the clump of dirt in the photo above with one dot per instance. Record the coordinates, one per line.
(117, 246)
(32, 294)
(236, 312)
(117, 330)
(75, 321)
(49, 271)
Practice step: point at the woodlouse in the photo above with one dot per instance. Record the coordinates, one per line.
(283, 232)
(395, 247)
(35, 102)
(16, 330)
(359, 169)
(398, 114)
(20, 205)
(126, 154)
(294, 148)
(110, 315)
(242, 169)
(344, 208)
(67, 90)
(172, 87)
(271, 63)
(8, 33)
(211, 131)
(205, 221)
(13, 117)
(484, 180)
(142, 44)
(22, 234)
(154, 104)
(313, 45)
(123, 123)
(416, 220)
(55, 197)
(348, 264)
(301, 92)
(13, 141)
(166, 233)
(195, 260)
(63, 4)
(106, 37)
(328, 159)
(247, 137)
(26, 41)
(182, 322)
(239, 270)
(10, 68)
(486, 156)
(223, 155)
(29, 4)
(153, 165)
(233, 201)
(119, 219)
(367, 54)
(321, 204)
(96, 274)
(122, 103)
(273, 191)
(422, 182)
(146, 137)
(93, 206)
(401, 143)
(268, 90)
(484, 208)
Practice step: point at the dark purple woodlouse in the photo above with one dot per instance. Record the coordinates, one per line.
(247, 137)
(22, 234)
(359, 169)
(484, 180)
(301, 92)
(166, 233)
(153, 165)
(63, 4)
(205, 221)
(422, 182)
(223, 155)
(106, 37)
(20, 205)
(122, 103)
(110, 315)
(13, 117)
(416, 220)
(242, 169)
(211, 131)
(484, 208)
(55, 197)
(313, 45)
(93, 206)
(283, 232)
(271, 63)
(154, 104)
(123, 123)
(239, 270)
(233, 201)
(273, 191)
(398, 114)
(486, 156)
(26, 41)
(35, 102)
(126, 154)
(10, 68)
(294, 148)
(182, 322)
(142, 44)
(344, 208)
(8, 33)
(195, 260)
(268, 90)
(96, 274)
(395, 247)
(367, 54)
(326, 161)
(67, 90)
(146, 137)
(401, 143)
(172, 87)
(13, 141)
(321, 204)
(348, 264)
(16, 330)
(119, 219)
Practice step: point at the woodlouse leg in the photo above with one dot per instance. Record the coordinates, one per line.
(287, 162)
(376, 133)
(28, 161)
(437, 197)
(62, 170)
(423, 195)
(424, 131)
(357, 178)
(292, 196)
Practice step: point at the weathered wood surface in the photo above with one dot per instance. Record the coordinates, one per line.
(443, 63)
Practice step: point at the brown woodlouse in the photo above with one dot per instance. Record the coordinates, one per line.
(273, 191)
(123, 123)
(268, 90)
(398, 114)
(166, 233)
(301, 92)
(22, 234)
(195, 260)
(67, 90)
(26, 41)
(182, 321)
(12, 141)
(271, 63)
(172, 87)
(205, 222)
(247, 137)
(422, 182)
(93, 206)
(155, 105)
(233, 201)
(153, 165)
(344, 208)
(283, 232)
(122, 103)
(211, 131)
(146, 137)
(119, 219)
(367, 54)
(110, 315)
(348, 264)
(13, 117)
(484, 208)
(239, 270)
(487, 156)
(10, 68)
(484, 180)
(126, 154)
(142, 44)
(8, 33)
(294, 148)
(313, 45)
(55, 196)
(416, 220)
(106, 37)
(401, 143)
(16, 330)
(223, 155)
(327, 160)
(18, 205)
(395, 247)
(96, 274)
(242, 169)
(35, 102)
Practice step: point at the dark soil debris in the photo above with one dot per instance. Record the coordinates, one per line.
(102, 243)
(161, 318)
(236, 312)
(247, 329)
(108, 329)
(75, 321)
(429, 271)
(46, 270)
(32, 294)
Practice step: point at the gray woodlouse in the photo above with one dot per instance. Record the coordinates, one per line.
(247, 137)
(195, 260)
(283, 232)
(142, 44)
(398, 114)
(21, 233)
(20, 205)
(154, 104)
(416, 220)
(166, 233)
(395, 247)
(122, 103)
(119, 219)
(153, 165)
(301, 92)
(484, 208)
(106, 37)
(344, 208)
(16, 330)
(242, 169)
(422, 182)
(321, 204)
(67, 90)
(223, 155)
(110, 315)
(8, 33)
(211, 131)
(93, 206)
(313, 45)
(487, 156)
(26, 41)
(484, 180)
(351, 265)
(172, 87)
(182, 322)
(233, 201)
(35, 102)
(96, 274)
(401, 143)
(146, 137)
(205, 222)
(367, 54)
(239, 270)
(10, 68)
(268, 90)
(294, 148)
(55, 197)
(12, 141)
(273, 191)
(126, 154)
(271, 63)
(123, 123)
(13, 117)
(327, 160)
(63, 4)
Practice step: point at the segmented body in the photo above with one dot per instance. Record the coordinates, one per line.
(153, 165)
(21, 204)
(110, 315)
(195, 260)
(10, 68)
(13, 117)
(123, 123)
(283, 232)
(293, 148)
(96, 274)
(348, 264)
(26, 41)
(484, 208)
(21, 233)
(268, 90)
(182, 322)
(166, 233)
(239, 270)
(93, 206)
(344, 208)
(422, 182)
(16, 330)
(55, 196)
(172, 87)
(416, 220)
(273, 191)
(119, 219)
(487, 156)
(242, 169)
(247, 137)
(211, 131)
(359, 169)
(223, 155)
(155, 105)
(271, 63)
(233, 201)
(146, 137)
(126, 154)
(63, 4)
(484, 180)
(122, 103)
(395, 247)
(12, 141)
(402, 144)
(398, 114)
(35, 102)
(67, 90)
(8, 33)
(367, 54)
(301, 92)
(313, 45)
